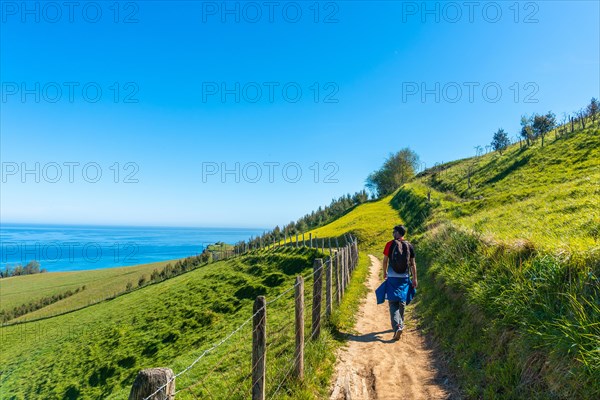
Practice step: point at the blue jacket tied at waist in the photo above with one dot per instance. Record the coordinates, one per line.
(395, 289)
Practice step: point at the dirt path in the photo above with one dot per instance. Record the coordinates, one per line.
(372, 366)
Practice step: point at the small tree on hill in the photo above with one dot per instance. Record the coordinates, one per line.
(500, 141)
(563, 124)
(527, 129)
(581, 114)
(396, 170)
(542, 124)
(593, 108)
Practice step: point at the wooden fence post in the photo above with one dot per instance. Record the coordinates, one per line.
(317, 296)
(342, 274)
(296, 240)
(346, 267)
(149, 380)
(310, 240)
(351, 255)
(351, 250)
(299, 354)
(259, 348)
(342, 271)
(328, 287)
(303, 241)
(338, 277)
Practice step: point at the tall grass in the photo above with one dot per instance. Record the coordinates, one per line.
(518, 320)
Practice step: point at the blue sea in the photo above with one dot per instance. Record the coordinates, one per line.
(74, 248)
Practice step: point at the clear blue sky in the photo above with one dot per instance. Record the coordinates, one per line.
(369, 60)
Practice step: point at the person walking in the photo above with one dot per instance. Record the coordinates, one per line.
(398, 265)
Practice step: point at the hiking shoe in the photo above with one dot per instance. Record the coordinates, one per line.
(397, 334)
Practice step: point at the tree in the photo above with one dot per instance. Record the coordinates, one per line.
(500, 141)
(527, 129)
(563, 124)
(593, 108)
(397, 169)
(542, 124)
(32, 267)
(581, 113)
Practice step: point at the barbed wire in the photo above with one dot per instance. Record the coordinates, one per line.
(306, 276)
(214, 347)
(289, 370)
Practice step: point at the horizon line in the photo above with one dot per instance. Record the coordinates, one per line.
(2, 223)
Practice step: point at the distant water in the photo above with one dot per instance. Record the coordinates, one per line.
(73, 248)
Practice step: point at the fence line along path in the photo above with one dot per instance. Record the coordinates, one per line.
(334, 273)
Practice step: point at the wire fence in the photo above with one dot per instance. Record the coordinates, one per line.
(267, 349)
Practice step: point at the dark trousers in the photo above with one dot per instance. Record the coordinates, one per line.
(397, 314)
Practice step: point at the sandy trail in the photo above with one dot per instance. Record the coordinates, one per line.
(372, 366)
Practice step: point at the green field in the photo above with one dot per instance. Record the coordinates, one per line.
(96, 352)
(99, 284)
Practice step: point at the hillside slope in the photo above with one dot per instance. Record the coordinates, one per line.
(547, 195)
(99, 284)
(510, 266)
(370, 222)
(96, 352)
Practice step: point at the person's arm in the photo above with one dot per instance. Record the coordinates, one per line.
(413, 269)
(385, 264)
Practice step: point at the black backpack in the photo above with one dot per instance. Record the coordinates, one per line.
(399, 256)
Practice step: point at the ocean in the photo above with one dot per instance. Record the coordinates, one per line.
(73, 248)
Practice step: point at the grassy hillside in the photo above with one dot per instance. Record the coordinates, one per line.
(99, 284)
(96, 352)
(511, 268)
(547, 195)
(371, 223)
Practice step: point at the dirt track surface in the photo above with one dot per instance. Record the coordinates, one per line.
(373, 366)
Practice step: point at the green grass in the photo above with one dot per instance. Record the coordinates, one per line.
(344, 317)
(549, 196)
(518, 323)
(96, 352)
(511, 265)
(99, 284)
(370, 222)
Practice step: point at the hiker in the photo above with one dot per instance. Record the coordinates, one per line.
(398, 262)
